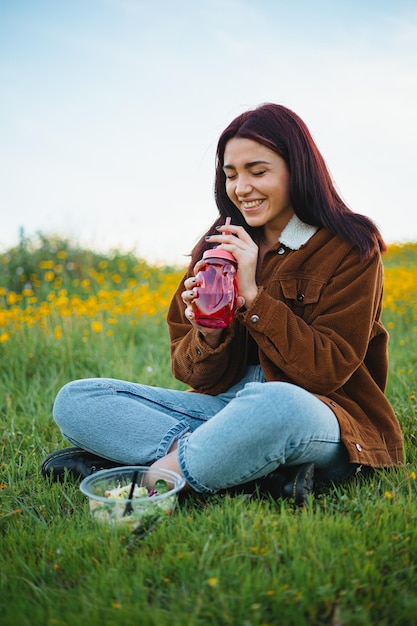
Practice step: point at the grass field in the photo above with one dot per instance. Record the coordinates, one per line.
(349, 558)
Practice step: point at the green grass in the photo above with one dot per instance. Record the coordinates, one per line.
(349, 558)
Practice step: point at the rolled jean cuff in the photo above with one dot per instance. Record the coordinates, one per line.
(195, 484)
(174, 433)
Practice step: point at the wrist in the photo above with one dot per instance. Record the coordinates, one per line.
(250, 298)
(213, 338)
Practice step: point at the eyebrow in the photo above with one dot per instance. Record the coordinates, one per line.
(247, 165)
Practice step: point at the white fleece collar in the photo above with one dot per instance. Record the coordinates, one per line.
(296, 233)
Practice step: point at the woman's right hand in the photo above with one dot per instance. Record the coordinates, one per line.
(212, 336)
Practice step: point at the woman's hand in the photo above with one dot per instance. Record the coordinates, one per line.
(244, 249)
(212, 336)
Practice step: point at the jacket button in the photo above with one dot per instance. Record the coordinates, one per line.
(254, 319)
(358, 447)
(281, 250)
(300, 297)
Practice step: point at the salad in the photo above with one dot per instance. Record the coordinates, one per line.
(138, 492)
(142, 510)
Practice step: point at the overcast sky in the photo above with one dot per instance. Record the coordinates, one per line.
(110, 110)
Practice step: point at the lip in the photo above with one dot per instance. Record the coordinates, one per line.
(251, 209)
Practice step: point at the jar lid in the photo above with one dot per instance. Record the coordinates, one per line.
(218, 253)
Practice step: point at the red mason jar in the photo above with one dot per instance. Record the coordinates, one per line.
(216, 286)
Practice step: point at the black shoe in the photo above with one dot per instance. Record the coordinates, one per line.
(295, 483)
(77, 461)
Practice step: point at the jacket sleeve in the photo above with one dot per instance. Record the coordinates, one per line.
(194, 362)
(319, 344)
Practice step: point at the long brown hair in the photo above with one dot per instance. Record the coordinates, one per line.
(312, 192)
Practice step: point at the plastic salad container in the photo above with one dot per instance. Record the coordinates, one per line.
(113, 500)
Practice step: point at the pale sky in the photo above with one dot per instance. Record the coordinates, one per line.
(110, 110)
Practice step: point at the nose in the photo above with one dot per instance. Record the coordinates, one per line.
(243, 186)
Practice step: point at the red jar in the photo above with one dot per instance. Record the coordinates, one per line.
(217, 290)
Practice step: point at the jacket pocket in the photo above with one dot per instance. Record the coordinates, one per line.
(301, 294)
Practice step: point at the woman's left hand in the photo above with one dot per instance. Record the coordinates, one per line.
(239, 243)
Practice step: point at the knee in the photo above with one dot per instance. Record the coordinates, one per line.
(278, 398)
(63, 404)
(81, 398)
(70, 400)
(283, 405)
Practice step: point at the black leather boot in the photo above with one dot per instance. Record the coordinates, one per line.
(290, 483)
(76, 461)
(295, 483)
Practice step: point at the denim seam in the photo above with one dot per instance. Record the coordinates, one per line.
(305, 442)
(174, 433)
(184, 471)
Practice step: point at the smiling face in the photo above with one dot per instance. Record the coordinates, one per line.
(258, 183)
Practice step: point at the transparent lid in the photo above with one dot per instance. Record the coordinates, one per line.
(217, 253)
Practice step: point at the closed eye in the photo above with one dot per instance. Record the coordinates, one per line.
(233, 176)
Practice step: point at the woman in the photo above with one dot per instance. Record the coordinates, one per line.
(296, 383)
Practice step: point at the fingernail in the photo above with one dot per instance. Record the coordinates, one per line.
(207, 237)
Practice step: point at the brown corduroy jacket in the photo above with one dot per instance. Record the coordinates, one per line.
(316, 322)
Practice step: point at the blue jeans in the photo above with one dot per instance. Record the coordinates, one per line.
(224, 440)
